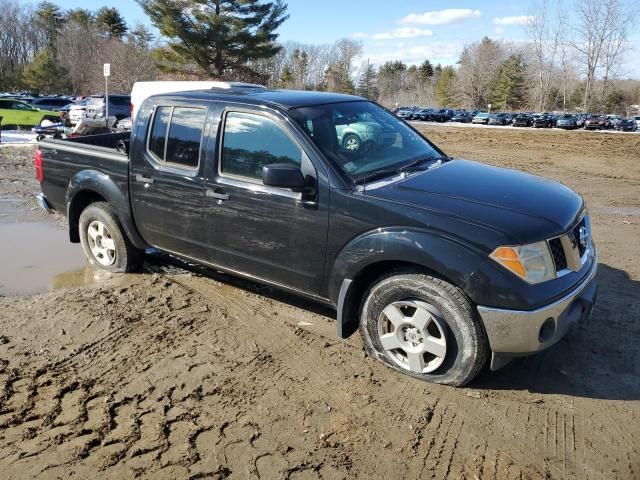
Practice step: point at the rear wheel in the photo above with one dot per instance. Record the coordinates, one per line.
(104, 242)
(424, 327)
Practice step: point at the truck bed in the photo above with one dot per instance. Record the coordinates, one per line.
(64, 159)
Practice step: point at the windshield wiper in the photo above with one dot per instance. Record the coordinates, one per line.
(419, 163)
(409, 167)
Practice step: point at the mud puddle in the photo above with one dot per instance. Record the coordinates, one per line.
(37, 256)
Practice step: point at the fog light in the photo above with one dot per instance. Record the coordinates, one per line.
(547, 330)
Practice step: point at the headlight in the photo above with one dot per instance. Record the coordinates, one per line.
(532, 263)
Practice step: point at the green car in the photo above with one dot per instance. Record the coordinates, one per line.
(15, 113)
(355, 133)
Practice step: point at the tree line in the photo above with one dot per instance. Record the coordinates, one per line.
(564, 64)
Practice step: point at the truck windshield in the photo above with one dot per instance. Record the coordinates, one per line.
(363, 139)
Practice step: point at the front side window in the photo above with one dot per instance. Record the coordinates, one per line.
(22, 106)
(362, 138)
(252, 141)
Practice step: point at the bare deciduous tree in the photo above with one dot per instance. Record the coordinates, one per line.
(601, 29)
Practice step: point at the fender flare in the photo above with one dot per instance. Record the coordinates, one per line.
(92, 181)
(447, 257)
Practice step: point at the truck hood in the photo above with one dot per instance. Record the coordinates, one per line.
(523, 207)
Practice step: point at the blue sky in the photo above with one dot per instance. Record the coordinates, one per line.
(407, 30)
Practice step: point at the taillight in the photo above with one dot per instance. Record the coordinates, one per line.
(37, 161)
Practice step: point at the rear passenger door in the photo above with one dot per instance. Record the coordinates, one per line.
(166, 181)
(271, 233)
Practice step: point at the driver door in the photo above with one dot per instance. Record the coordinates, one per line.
(271, 233)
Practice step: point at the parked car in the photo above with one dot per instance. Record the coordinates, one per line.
(119, 106)
(53, 104)
(15, 113)
(362, 132)
(124, 124)
(499, 119)
(567, 121)
(542, 121)
(637, 120)
(442, 115)
(462, 117)
(405, 114)
(522, 120)
(439, 272)
(614, 120)
(482, 118)
(597, 122)
(77, 111)
(626, 125)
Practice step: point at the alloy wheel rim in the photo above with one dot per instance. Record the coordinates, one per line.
(352, 143)
(101, 243)
(412, 335)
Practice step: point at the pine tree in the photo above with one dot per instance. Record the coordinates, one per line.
(368, 83)
(444, 88)
(80, 16)
(286, 78)
(219, 36)
(510, 88)
(111, 23)
(49, 19)
(425, 71)
(45, 75)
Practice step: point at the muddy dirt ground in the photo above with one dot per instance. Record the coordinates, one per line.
(185, 373)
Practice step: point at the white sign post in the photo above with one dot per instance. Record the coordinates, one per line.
(106, 71)
(489, 105)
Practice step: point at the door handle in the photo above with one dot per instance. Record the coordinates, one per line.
(143, 179)
(218, 194)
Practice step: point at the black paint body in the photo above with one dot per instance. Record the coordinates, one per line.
(446, 220)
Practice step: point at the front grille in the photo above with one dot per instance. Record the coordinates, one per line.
(557, 252)
(569, 249)
(576, 236)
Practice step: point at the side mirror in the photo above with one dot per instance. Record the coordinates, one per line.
(283, 175)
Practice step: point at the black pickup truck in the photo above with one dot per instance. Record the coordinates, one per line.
(442, 263)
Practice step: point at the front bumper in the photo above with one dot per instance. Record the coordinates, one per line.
(516, 333)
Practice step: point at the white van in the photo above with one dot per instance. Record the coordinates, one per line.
(143, 90)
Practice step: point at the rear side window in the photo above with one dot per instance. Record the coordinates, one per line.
(185, 132)
(252, 141)
(176, 135)
(158, 135)
(120, 101)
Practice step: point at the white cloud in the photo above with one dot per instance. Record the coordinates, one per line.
(402, 32)
(516, 20)
(446, 53)
(441, 17)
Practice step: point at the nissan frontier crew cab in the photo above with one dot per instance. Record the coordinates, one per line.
(443, 264)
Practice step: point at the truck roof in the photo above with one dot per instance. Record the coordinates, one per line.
(284, 99)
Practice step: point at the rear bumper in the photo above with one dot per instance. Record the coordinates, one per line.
(516, 333)
(42, 202)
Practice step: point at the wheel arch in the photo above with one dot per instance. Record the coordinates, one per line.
(90, 186)
(368, 258)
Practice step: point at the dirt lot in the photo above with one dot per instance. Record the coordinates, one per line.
(175, 373)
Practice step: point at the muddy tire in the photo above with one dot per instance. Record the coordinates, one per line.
(104, 242)
(424, 327)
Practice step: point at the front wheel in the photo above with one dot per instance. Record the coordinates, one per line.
(104, 242)
(424, 327)
(351, 142)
